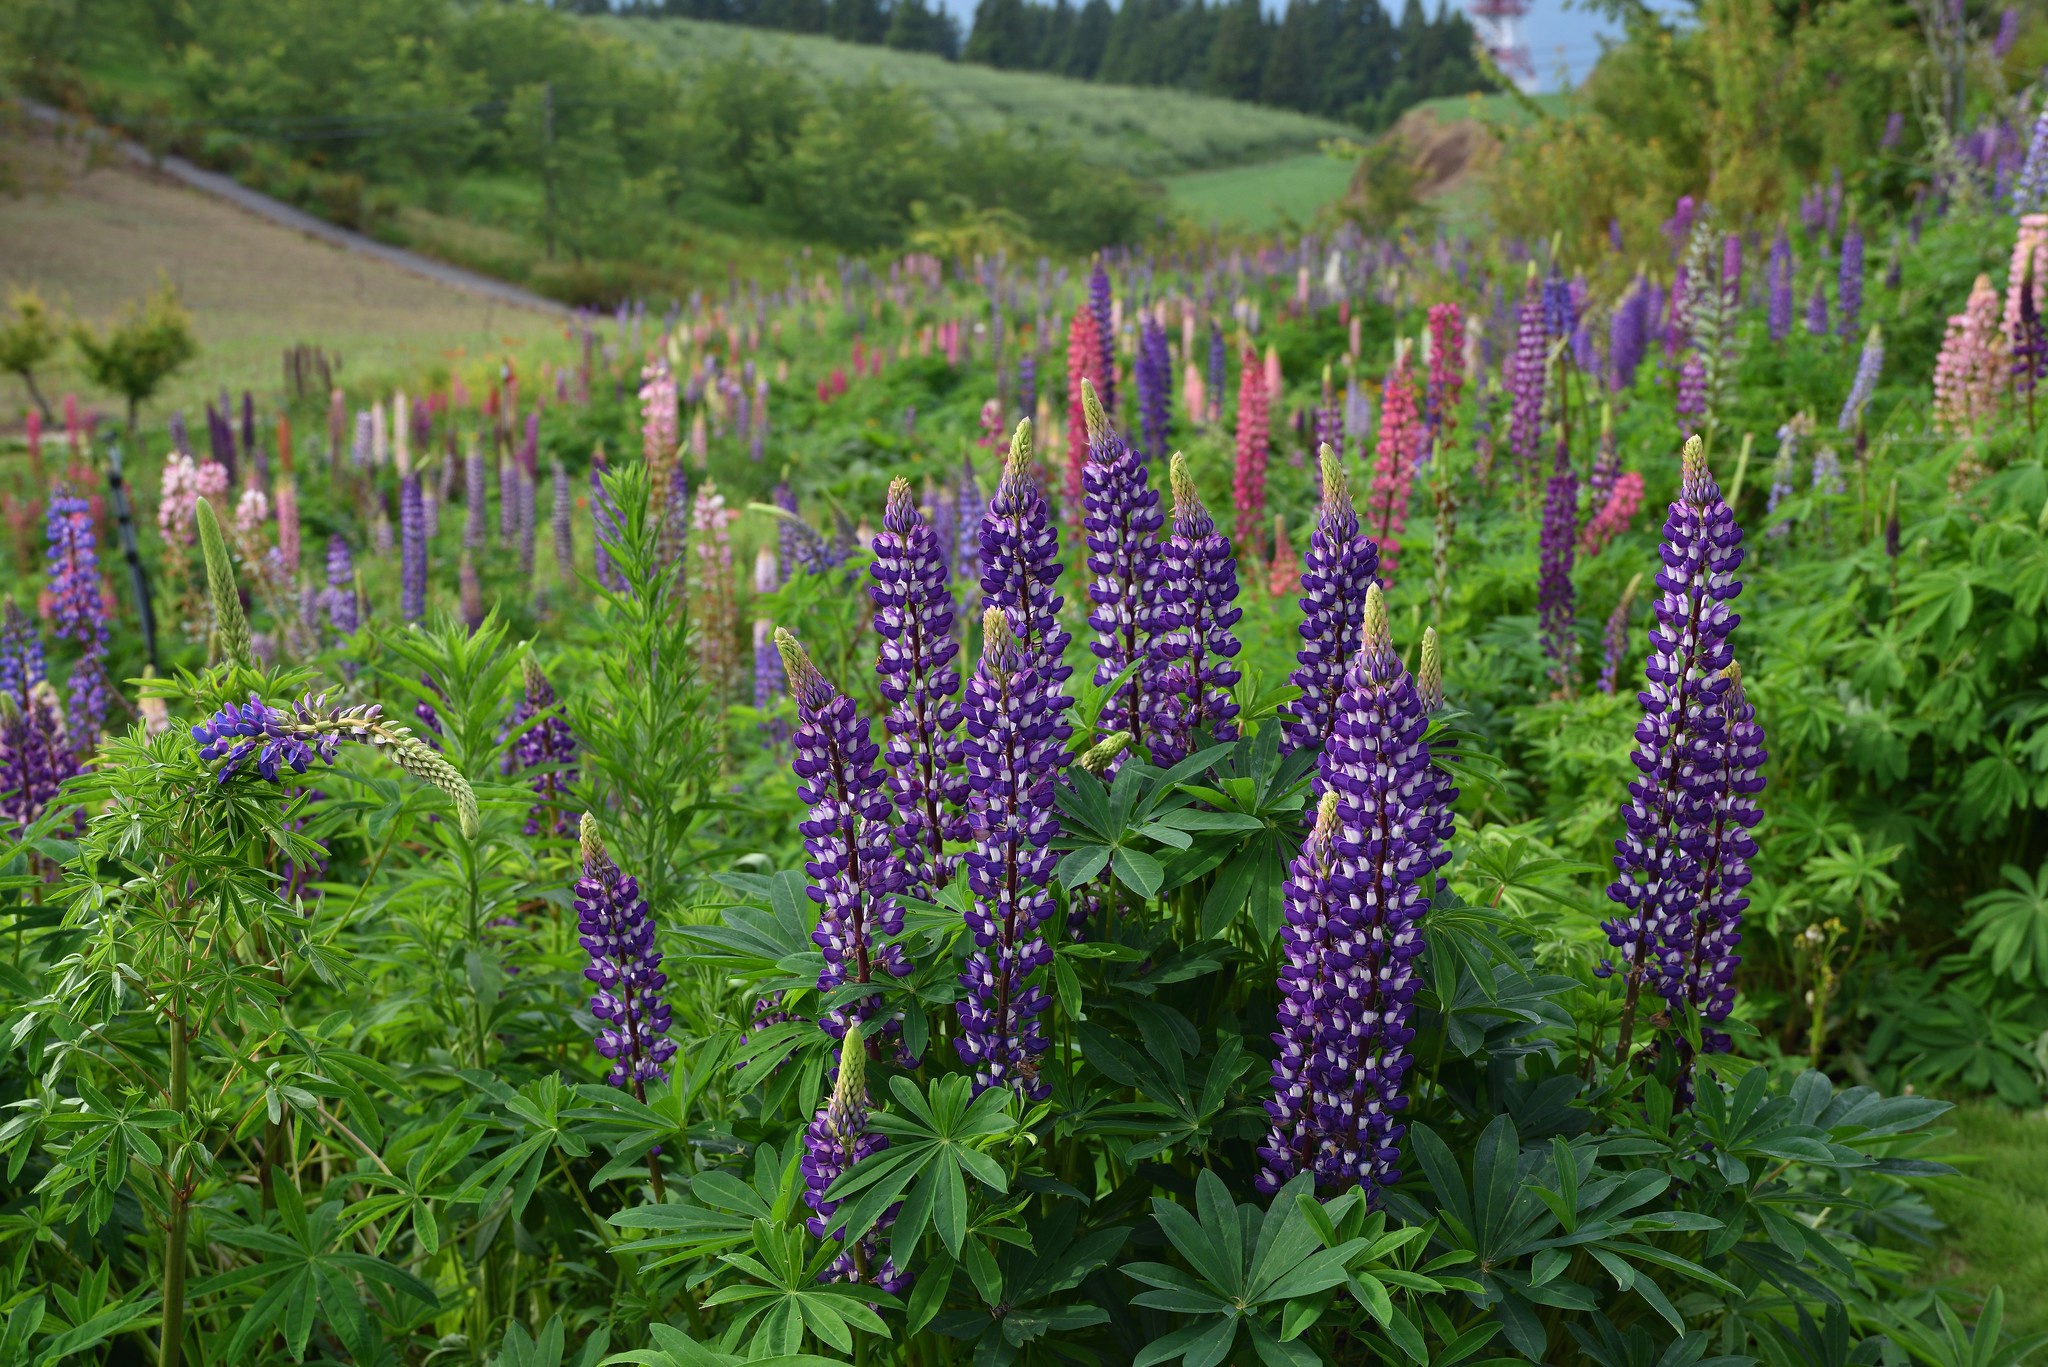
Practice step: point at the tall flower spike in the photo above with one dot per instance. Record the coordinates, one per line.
(1020, 561)
(1015, 732)
(35, 757)
(1706, 978)
(921, 683)
(1395, 453)
(1429, 674)
(1658, 883)
(1199, 588)
(545, 749)
(229, 623)
(625, 967)
(837, 1138)
(853, 865)
(1557, 600)
(1122, 522)
(412, 536)
(1342, 564)
(1392, 808)
(1525, 377)
(1305, 1109)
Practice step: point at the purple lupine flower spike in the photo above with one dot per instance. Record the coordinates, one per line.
(854, 867)
(1526, 376)
(1849, 282)
(1557, 601)
(1869, 363)
(1099, 304)
(1342, 564)
(276, 739)
(545, 748)
(1015, 734)
(1122, 520)
(1614, 641)
(338, 599)
(412, 535)
(921, 683)
(477, 498)
(22, 662)
(560, 515)
(837, 1138)
(77, 612)
(1707, 983)
(1155, 388)
(1393, 806)
(1199, 589)
(35, 754)
(1778, 276)
(1020, 563)
(1656, 859)
(1303, 1110)
(618, 933)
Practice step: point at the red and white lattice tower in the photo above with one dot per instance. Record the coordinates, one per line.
(1500, 28)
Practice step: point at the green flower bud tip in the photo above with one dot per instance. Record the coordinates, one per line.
(1102, 752)
(796, 664)
(1429, 677)
(851, 1090)
(1185, 500)
(996, 635)
(1336, 484)
(1378, 633)
(1091, 410)
(1020, 451)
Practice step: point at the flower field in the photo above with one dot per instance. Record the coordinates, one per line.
(1341, 800)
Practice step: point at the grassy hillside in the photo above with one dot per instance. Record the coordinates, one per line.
(92, 239)
(1263, 195)
(1145, 132)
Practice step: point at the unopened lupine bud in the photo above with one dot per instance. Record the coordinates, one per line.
(1429, 674)
(1098, 756)
(229, 621)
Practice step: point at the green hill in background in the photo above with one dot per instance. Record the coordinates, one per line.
(1147, 132)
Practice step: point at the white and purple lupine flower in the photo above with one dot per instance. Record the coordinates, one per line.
(338, 599)
(545, 748)
(1122, 520)
(625, 967)
(561, 513)
(1199, 591)
(1020, 565)
(854, 864)
(1154, 374)
(1015, 734)
(35, 757)
(1342, 564)
(1869, 364)
(837, 1138)
(921, 683)
(1557, 600)
(1356, 903)
(22, 662)
(278, 740)
(1304, 1110)
(412, 536)
(1704, 978)
(1669, 807)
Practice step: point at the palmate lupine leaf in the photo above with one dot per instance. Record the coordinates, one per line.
(2009, 926)
(936, 1142)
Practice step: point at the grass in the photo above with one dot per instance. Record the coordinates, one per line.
(93, 239)
(1499, 110)
(1150, 132)
(1997, 1216)
(1261, 196)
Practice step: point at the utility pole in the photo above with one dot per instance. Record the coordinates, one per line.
(547, 167)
